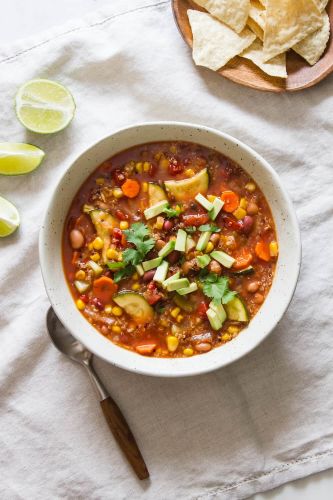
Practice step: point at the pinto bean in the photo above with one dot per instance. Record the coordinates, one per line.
(148, 276)
(188, 266)
(173, 257)
(76, 239)
(159, 244)
(258, 298)
(215, 238)
(252, 208)
(253, 287)
(215, 267)
(203, 347)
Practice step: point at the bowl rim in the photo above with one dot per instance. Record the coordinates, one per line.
(200, 368)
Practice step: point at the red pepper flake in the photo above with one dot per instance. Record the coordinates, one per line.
(202, 309)
(175, 167)
(117, 233)
(84, 298)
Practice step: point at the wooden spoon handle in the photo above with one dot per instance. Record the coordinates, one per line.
(124, 437)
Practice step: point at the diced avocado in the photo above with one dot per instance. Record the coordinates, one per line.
(187, 189)
(236, 310)
(181, 240)
(217, 207)
(214, 320)
(193, 287)
(176, 284)
(223, 258)
(139, 270)
(104, 223)
(95, 267)
(135, 305)
(151, 264)
(156, 194)
(81, 286)
(161, 272)
(190, 244)
(203, 241)
(204, 202)
(219, 309)
(168, 248)
(244, 272)
(203, 260)
(171, 279)
(183, 303)
(156, 209)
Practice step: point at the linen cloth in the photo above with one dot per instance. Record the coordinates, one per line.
(254, 425)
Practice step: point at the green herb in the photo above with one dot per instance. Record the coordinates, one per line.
(190, 229)
(217, 288)
(159, 308)
(210, 227)
(139, 235)
(115, 265)
(171, 212)
(123, 273)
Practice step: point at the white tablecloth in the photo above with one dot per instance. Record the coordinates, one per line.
(261, 422)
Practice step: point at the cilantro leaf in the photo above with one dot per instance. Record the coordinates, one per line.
(137, 232)
(190, 229)
(131, 256)
(139, 236)
(123, 273)
(212, 228)
(228, 296)
(217, 288)
(171, 212)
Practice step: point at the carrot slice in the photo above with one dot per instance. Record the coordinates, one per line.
(131, 188)
(243, 259)
(262, 250)
(104, 288)
(231, 201)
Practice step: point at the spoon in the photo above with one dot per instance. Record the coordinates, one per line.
(76, 351)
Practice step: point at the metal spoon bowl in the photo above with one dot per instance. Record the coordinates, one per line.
(76, 351)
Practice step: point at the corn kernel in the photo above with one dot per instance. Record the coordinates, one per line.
(173, 149)
(138, 167)
(116, 329)
(108, 309)
(117, 193)
(210, 247)
(120, 257)
(111, 253)
(100, 181)
(117, 311)
(90, 247)
(174, 313)
(239, 213)
(98, 243)
(189, 172)
(233, 330)
(180, 318)
(226, 337)
(164, 322)
(135, 277)
(211, 197)
(136, 286)
(95, 257)
(188, 351)
(164, 162)
(273, 249)
(243, 203)
(80, 275)
(80, 304)
(144, 187)
(146, 166)
(123, 225)
(172, 343)
(250, 186)
(158, 155)
(159, 223)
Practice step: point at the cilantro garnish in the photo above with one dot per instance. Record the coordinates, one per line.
(210, 227)
(217, 288)
(139, 235)
(190, 229)
(123, 273)
(172, 212)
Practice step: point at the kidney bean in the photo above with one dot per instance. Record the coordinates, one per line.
(168, 225)
(188, 266)
(148, 276)
(253, 287)
(76, 239)
(160, 244)
(117, 233)
(173, 257)
(203, 347)
(215, 267)
(252, 208)
(118, 177)
(247, 224)
(97, 303)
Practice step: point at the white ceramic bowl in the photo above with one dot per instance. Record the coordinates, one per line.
(284, 281)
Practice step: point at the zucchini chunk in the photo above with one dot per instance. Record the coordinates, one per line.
(135, 305)
(155, 193)
(236, 310)
(187, 189)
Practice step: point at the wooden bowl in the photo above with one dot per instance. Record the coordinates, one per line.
(244, 72)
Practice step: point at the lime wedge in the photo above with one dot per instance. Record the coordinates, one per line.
(44, 106)
(17, 158)
(9, 218)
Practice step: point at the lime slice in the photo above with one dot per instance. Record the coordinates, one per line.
(44, 106)
(17, 158)
(9, 218)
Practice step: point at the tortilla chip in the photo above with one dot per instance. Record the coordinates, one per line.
(313, 46)
(214, 44)
(234, 13)
(263, 2)
(287, 23)
(256, 29)
(257, 13)
(274, 67)
(321, 4)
